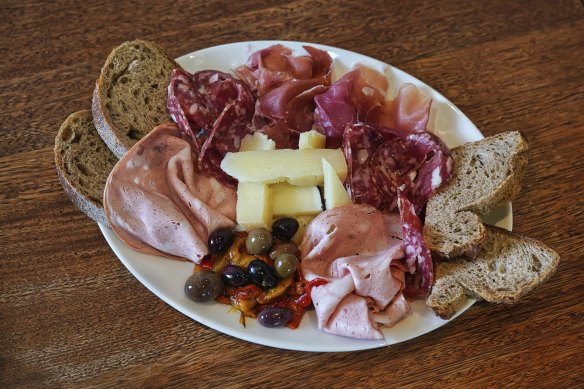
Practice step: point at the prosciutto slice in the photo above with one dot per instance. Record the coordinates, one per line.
(359, 251)
(273, 66)
(157, 202)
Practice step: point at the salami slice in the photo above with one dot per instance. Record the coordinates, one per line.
(219, 89)
(359, 144)
(195, 101)
(418, 163)
(186, 105)
(228, 131)
(418, 255)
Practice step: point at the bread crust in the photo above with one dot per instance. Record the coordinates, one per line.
(86, 204)
(441, 208)
(117, 141)
(502, 250)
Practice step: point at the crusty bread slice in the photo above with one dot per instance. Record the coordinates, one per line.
(130, 96)
(506, 268)
(83, 164)
(487, 174)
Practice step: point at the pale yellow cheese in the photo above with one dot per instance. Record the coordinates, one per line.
(257, 141)
(297, 167)
(303, 222)
(311, 140)
(335, 193)
(292, 200)
(254, 205)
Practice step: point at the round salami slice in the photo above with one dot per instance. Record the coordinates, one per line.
(226, 135)
(418, 255)
(219, 89)
(417, 163)
(359, 144)
(186, 105)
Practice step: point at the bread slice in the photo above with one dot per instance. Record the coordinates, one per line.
(487, 174)
(83, 164)
(130, 96)
(506, 268)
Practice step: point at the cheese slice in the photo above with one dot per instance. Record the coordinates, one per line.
(303, 222)
(335, 193)
(254, 205)
(292, 200)
(311, 140)
(257, 141)
(297, 167)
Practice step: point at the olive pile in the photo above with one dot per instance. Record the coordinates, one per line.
(206, 285)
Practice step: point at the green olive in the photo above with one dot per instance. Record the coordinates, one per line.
(283, 248)
(285, 265)
(258, 241)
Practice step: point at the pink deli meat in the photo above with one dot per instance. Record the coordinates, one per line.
(157, 202)
(359, 250)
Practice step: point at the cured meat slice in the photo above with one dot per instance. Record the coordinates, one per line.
(158, 203)
(275, 104)
(359, 143)
(418, 164)
(195, 101)
(353, 229)
(271, 67)
(348, 101)
(226, 135)
(409, 111)
(186, 105)
(418, 255)
(220, 89)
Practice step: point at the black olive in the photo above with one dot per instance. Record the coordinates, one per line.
(235, 276)
(203, 286)
(262, 274)
(285, 228)
(220, 240)
(275, 317)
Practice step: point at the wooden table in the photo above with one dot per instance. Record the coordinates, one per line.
(72, 315)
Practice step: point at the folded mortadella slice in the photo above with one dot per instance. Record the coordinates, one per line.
(345, 231)
(359, 251)
(157, 202)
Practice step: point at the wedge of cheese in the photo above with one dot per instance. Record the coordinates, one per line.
(303, 222)
(257, 141)
(335, 193)
(292, 200)
(311, 140)
(297, 167)
(254, 205)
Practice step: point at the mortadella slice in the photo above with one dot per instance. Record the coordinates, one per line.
(157, 202)
(359, 251)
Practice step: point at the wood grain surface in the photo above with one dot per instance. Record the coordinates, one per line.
(71, 315)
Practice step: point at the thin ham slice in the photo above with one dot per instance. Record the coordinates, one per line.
(157, 202)
(359, 251)
(273, 66)
(345, 231)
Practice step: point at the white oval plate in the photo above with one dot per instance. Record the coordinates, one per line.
(166, 278)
